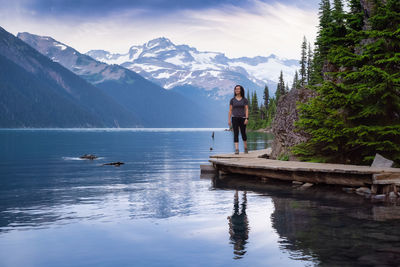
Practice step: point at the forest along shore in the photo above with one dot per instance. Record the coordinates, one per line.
(343, 104)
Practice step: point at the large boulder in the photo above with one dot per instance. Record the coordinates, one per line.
(381, 162)
(283, 127)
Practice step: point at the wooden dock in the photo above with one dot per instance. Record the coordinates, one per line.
(256, 163)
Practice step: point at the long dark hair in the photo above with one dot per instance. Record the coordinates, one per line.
(241, 90)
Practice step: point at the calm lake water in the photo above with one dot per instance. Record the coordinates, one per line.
(156, 210)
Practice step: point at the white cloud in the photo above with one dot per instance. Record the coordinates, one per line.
(260, 30)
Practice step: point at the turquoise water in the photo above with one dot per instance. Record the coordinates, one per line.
(156, 209)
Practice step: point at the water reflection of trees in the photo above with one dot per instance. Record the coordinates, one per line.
(258, 140)
(329, 226)
(239, 226)
(334, 236)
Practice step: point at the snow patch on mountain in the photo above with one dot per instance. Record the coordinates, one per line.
(267, 70)
(61, 46)
(177, 60)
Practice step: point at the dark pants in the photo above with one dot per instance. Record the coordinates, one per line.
(237, 123)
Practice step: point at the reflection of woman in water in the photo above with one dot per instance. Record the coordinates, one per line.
(239, 226)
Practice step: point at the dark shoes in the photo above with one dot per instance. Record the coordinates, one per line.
(246, 151)
(237, 151)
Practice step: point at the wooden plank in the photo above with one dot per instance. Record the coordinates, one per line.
(386, 178)
(251, 154)
(301, 166)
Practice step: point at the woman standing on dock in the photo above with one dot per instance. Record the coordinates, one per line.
(239, 112)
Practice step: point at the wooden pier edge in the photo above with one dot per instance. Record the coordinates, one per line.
(253, 164)
(333, 178)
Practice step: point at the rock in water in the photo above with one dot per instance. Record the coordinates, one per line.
(380, 197)
(363, 191)
(88, 156)
(381, 162)
(306, 185)
(348, 189)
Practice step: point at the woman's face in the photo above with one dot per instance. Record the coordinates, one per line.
(237, 90)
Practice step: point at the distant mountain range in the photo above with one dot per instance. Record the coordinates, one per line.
(111, 95)
(171, 66)
(152, 104)
(53, 85)
(37, 92)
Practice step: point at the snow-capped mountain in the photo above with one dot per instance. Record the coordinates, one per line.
(172, 65)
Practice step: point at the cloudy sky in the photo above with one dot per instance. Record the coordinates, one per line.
(234, 27)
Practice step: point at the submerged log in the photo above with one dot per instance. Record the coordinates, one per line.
(116, 164)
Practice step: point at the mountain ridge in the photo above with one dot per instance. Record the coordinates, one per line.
(50, 86)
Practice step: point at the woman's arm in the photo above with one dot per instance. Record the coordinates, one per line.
(229, 115)
(246, 110)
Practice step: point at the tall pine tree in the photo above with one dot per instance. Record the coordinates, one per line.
(254, 106)
(249, 100)
(309, 64)
(321, 43)
(266, 96)
(280, 88)
(303, 63)
(295, 80)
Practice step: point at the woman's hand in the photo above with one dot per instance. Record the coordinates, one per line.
(246, 121)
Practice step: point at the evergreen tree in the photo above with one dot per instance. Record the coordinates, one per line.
(280, 88)
(357, 110)
(355, 19)
(303, 63)
(321, 44)
(295, 81)
(309, 64)
(254, 106)
(266, 96)
(337, 12)
(337, 27)
(263, 112)
(249, 101)
(271, 110)
(256, 113)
